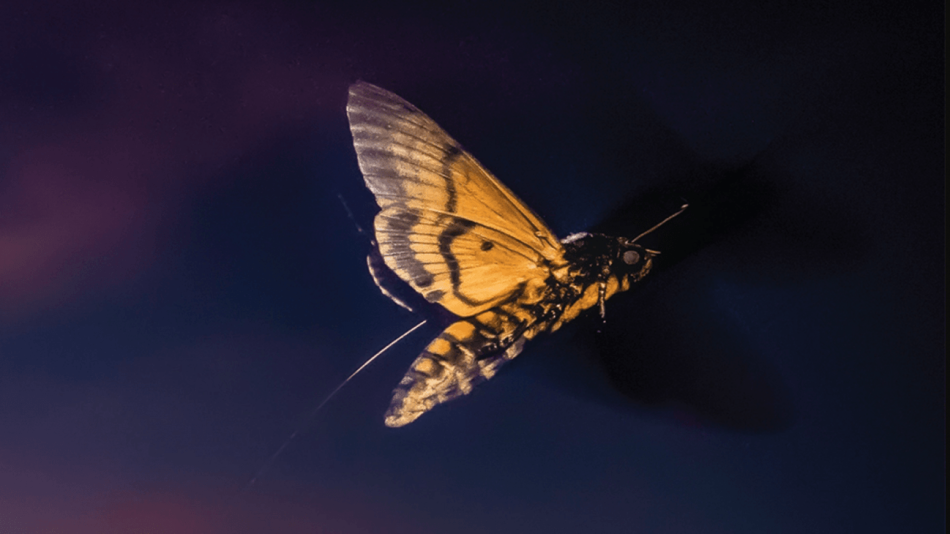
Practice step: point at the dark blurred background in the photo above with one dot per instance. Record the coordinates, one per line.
(180, 284)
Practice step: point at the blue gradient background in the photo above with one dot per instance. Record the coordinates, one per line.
(180, 285)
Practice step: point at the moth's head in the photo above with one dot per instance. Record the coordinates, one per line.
(632, 261)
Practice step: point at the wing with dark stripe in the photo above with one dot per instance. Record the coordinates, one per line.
(465, 267)
(447, 226)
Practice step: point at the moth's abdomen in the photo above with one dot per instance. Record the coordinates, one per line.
(466, 353)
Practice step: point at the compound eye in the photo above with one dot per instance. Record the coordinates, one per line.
(630, 257)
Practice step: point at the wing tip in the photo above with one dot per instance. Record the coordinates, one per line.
(363, 95)
(359, 88)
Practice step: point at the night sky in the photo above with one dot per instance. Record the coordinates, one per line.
(180, 283)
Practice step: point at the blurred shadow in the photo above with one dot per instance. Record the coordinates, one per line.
(660, 346)
(654, 357)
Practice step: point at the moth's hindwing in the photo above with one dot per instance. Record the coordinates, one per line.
(461, 265)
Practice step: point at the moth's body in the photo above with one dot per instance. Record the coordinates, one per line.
(461, 239)
(472, 349)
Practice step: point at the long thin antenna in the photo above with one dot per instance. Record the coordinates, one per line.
(313, 414)
(664, 221)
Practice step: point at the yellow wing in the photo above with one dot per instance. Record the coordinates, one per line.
(446, 226)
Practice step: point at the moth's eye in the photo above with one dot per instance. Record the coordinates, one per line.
(630, 257)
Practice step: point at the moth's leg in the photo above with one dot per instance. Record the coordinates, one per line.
(385, 279)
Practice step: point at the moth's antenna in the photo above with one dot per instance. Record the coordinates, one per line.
(313, 414)
(664, 221)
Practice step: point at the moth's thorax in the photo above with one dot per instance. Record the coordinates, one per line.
(596, 267)
(597, 257)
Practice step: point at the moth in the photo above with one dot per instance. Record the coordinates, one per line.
(464, 241)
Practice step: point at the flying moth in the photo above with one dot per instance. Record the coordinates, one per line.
(461, 239)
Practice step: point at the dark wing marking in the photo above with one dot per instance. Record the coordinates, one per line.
(447, 226)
